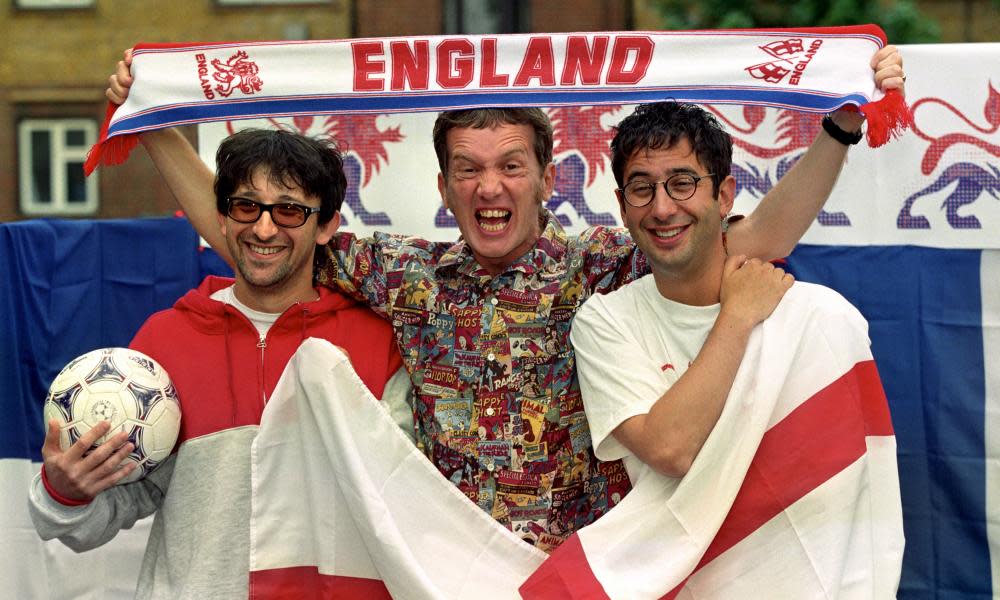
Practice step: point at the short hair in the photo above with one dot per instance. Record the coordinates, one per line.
(487, 118)
(312, 164)
(663, 125)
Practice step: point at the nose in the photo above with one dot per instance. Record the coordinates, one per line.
(662, 206)
(489, 183)
(265, 228)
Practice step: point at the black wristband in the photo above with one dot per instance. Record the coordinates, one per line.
(846, 138)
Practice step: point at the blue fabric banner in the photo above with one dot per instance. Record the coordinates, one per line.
(925, 314)
(73, 286)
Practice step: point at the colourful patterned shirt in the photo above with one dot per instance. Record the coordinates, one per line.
(497, 403)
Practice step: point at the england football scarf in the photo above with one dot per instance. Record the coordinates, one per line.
(813, 69)
(795, 493)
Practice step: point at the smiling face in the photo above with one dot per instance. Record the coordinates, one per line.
(495, 187)
(681, 240)
(274, 264)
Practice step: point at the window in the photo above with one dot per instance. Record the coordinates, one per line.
(260, 2)
(54, 3)
(51, 154)
(478, 17)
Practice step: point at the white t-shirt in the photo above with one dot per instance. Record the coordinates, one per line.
(631, 346)
(261, 320)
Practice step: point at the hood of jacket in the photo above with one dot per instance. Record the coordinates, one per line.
(210, 316)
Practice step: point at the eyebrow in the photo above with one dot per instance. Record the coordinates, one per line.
(519, 152)
(515, 152)
(282, 199)
(674, 171)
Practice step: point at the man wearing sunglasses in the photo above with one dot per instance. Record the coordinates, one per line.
(225, 345)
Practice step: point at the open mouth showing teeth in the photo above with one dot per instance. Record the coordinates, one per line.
(494, 219)
(671, 233)
(263, 250)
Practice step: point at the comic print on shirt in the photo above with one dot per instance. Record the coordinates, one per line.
(497, 404)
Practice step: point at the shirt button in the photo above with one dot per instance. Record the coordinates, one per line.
(491, 356)
(490, 411)
(493, 301)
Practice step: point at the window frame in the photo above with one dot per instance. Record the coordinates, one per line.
(53, 4)
(252, 3)
(59, 156)
(514, 17)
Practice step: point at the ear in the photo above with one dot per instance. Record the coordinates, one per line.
(621, 203)
(325, 231)
(727, 195)
(549, 180)
(442, 184)
(222, 222)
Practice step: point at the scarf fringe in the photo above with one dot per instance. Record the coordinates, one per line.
(887, 118)
(109, 151)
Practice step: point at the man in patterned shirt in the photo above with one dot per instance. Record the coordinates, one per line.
(483, 323)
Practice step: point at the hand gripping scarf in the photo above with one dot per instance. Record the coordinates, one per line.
(811, 69)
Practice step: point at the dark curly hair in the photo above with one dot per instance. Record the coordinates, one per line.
(664, 124)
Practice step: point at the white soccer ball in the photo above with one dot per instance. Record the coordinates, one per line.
(126, 388)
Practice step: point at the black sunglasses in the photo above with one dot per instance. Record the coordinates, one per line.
(286, 214)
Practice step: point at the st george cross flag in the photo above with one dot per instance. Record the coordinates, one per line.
(795, 493)
(810, 69)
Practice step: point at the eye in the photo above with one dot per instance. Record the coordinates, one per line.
(682, 185)
(641, 189)
(464, 171)
(288, 211)
(243, 206)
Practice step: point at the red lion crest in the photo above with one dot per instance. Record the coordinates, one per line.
(236, 73)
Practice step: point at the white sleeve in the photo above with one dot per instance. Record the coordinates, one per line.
(397, 398)
(91, 525)
(618, 379)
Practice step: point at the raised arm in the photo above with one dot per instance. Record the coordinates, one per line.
(188, 178)
(787, 211)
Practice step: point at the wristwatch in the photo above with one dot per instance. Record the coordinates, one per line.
(847, 138)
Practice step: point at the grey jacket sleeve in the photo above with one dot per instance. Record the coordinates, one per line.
(397, 397)
(85, 527)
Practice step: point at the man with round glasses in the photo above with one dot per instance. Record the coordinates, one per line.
(672, 165)
(658, 362)
(225, 344)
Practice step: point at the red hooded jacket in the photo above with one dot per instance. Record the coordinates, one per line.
(224, 372)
